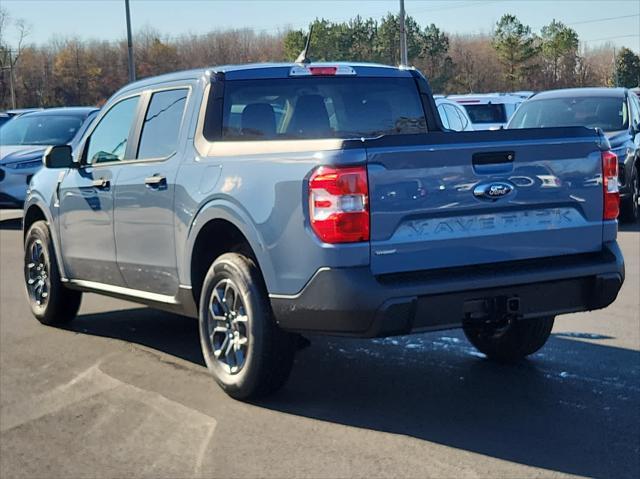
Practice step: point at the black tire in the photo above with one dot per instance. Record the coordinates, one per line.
(263, 362)
(511, 341)
(59, 305)
(630, 210)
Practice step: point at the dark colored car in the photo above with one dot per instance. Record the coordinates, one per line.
(4, 118)
(7, 115)
(616, 111)
(24, 139)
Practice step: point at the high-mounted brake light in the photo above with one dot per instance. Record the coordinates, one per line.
(610, 186)
(339, 204)
(321, 70)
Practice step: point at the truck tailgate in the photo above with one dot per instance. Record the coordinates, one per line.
(458, 199)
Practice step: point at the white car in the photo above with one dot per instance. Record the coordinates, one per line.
(453, 116)
(489, 111)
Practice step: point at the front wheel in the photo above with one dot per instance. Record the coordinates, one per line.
(246, 352)
(511, 340)
(51, 302)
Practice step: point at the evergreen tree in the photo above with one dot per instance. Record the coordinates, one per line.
(516, 46)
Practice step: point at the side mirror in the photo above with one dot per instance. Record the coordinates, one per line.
(58, 157)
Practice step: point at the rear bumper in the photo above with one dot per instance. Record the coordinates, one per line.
(353, 302)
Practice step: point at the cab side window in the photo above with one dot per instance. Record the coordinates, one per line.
(161, 128)
(454, 119)
(443, 116)
(108, 141)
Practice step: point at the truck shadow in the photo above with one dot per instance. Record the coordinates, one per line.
(11, 224)
(572, 408)
(629, 227)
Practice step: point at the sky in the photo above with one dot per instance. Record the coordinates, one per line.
(596, 21)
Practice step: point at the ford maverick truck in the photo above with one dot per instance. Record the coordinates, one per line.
(274, 200)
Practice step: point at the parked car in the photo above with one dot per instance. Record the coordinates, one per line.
(25, 138)
(452, 115)
(524, 94)
(490, 111)
(4, 118)
(7, 115)
(355, 212)
(616, 111)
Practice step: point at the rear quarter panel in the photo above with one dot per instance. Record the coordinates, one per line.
(261, 188)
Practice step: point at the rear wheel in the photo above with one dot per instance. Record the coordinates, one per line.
(248, 355)
(631, 207)
(510, 340)
(51, 303)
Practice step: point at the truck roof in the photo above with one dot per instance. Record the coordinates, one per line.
(256, 71)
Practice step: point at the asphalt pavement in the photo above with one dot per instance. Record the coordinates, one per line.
(123, 392)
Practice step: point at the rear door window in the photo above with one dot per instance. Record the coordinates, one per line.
(161, 128)
(319, 107)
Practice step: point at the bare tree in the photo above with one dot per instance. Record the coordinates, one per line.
(9, 56)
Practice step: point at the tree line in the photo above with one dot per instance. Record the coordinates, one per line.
(69, 71)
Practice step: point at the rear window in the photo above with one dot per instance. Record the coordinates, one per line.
(608, 114)
(487, 113)
(318, 107)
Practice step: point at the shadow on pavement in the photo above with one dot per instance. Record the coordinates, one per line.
(169, 333)
(635, 227)
(11, 224)
(572, 408)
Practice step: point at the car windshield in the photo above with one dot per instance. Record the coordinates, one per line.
(487, 113)
(40, 130)
(4, 119)
(319, 107)
(606, 113)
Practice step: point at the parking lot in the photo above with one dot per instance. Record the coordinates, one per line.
(124, 392)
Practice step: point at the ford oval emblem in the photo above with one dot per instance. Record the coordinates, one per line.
(493, 191)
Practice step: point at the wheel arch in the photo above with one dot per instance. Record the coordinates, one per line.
(32, 214)
(35, 210)
(219, 228)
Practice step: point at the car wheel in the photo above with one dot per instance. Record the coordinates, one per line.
(511, 340)
(245, 351)
(631, 207)
(51, 302)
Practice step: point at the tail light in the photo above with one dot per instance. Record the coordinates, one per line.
(610, 186)
(339, 204)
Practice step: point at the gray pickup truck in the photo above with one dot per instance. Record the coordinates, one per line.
(275, 200)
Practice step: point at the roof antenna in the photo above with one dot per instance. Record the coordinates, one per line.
(303, 58)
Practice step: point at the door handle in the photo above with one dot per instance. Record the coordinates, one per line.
(156, 181)
(101, 183)
(493, 157)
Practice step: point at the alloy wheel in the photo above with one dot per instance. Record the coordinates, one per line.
(38, 282)
(228, 327)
